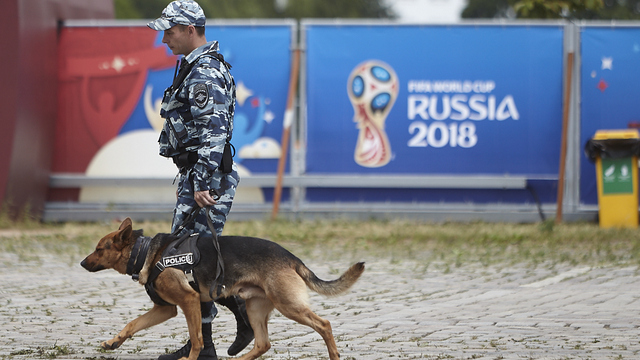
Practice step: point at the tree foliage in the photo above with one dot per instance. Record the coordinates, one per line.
(234, 9)
(554, 9)
(483, 9)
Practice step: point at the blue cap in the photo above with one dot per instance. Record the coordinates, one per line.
(183, 12)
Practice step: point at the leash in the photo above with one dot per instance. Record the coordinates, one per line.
(142, 245)
(194, 212)
(219, 279)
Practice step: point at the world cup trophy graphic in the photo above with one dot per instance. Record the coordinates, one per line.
(373, 88)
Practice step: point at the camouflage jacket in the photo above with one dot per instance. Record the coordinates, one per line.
(199, 112)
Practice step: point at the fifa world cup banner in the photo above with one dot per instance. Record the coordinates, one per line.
(610, 88)
(433, 100)
(112, 80)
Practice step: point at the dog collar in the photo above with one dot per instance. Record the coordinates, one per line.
(138, 257)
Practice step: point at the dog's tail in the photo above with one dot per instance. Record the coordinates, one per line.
(333, 287)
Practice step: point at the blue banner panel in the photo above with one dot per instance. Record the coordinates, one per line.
(610, 89)
(434, 99)
(260, 57)
(111, 97)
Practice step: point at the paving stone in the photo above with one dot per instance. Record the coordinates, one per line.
(53, 309)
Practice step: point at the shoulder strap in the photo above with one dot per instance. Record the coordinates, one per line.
(150, 288)
(185, 67)
(220, 58)
(222, 61)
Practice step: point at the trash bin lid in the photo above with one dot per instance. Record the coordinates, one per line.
(613, 144)
(617, 134)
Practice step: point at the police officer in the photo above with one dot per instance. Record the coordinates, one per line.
(198, 109)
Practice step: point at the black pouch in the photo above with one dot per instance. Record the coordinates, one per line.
(227, 158)
(186, 159)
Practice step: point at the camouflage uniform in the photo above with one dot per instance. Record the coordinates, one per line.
(198, 109)
(198, 115)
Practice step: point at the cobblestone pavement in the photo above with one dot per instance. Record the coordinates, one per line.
(399, 309)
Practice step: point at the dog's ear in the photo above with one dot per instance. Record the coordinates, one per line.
(124, 234)
(126, 223)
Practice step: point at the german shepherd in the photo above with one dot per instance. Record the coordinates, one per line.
(261, 272)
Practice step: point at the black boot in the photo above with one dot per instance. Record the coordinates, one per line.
(244, 335)
(207, 353)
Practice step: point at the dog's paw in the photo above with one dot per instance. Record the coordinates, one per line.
(110, 345)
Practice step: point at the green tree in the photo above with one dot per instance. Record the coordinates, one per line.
(483, 9)
(554, 9)
(125, 10)
(234, 9)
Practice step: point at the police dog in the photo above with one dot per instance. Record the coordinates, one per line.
(259, 271)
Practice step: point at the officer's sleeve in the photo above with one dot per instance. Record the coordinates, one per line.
(209, 101)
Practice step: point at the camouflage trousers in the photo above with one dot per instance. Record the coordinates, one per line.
(225, 184)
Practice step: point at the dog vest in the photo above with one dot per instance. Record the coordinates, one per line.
(183, 254)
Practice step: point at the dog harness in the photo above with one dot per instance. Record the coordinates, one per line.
(182, 253)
